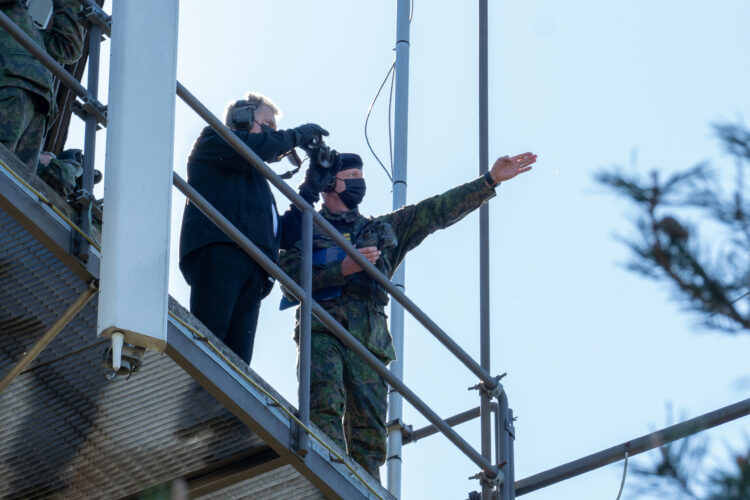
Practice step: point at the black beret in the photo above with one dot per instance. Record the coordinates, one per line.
(350, 160)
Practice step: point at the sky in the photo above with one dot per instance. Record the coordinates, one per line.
(594, 354)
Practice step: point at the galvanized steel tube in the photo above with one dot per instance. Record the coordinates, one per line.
(484, 244)
(305, 337)
(634, 447)
(395, 404)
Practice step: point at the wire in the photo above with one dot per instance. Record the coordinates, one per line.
(624, 473)
(390, 133)
(392, 74)
(275, 401)
(369, 110)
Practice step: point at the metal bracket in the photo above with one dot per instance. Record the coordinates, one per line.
(98, 17)
(84, 198)
(295, 432)
(491, 393)
(510, 427)
(407, 431)
(492, 482)
(88, 106)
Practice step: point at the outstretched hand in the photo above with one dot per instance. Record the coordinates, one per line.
(505, 168)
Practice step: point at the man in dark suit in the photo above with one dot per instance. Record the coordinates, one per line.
(226, 284)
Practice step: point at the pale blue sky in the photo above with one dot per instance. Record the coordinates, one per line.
(592, 352)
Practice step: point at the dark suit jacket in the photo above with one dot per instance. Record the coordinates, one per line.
(238, 191)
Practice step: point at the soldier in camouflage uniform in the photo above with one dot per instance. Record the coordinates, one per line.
(27, 100)
(342, 386)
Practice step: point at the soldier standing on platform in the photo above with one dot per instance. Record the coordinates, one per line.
(348, 399)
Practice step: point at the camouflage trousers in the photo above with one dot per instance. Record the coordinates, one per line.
(348, 401)
(23, 123)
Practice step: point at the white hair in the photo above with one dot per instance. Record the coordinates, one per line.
(251, 98)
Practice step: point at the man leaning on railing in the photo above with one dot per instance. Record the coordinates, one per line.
(226, 284)
(27, 100)
(343, 386)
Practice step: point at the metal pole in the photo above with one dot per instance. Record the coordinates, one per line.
(502, 437)
(50, 334)
(334, 326)
(429, 430)
(48, 62)
(252, 158)
(484, 246)
(305, 334)
(395, 403)
(510, 480)
(634, 447)
(89, 140)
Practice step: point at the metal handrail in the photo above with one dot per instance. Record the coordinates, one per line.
(336, 328)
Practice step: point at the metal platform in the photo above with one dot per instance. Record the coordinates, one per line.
(68, 432)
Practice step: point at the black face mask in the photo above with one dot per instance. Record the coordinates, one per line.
(354, 192)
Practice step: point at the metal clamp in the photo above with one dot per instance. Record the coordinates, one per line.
(407, 431)
(493, 393)
(89, 106)
(492, 481)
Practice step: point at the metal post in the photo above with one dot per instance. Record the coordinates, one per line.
(634, 447)
(395, 403)
(511, 475)
(89, 141)
(484, 246)
(502, 437)
(305, 335)
(50, 334)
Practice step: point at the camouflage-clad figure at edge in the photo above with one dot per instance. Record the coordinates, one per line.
(342, 386)
(27, 97)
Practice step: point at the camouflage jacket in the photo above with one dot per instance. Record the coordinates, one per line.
(358, 307)
(63, 40)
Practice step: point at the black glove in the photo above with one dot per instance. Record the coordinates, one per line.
(305, 134)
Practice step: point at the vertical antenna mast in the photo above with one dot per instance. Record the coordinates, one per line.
(395, 402)
(484, 243)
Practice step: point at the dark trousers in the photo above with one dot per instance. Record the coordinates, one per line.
(226, 287)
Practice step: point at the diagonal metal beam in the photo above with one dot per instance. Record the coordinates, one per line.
(634, 447)
(50, 334)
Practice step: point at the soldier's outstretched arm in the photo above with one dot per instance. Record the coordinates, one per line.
(414, 223)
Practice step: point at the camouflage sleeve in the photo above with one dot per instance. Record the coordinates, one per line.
(323, 275)
(414, 223)
(64, 38)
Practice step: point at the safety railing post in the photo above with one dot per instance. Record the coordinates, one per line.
(305, 336)
(89, 141)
